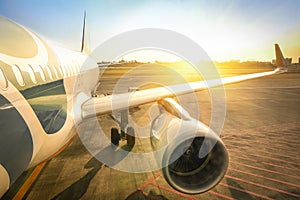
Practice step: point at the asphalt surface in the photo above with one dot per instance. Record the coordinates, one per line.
(261, 132)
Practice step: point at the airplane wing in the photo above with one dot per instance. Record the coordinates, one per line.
(107, 104)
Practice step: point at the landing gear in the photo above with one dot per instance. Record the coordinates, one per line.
(115, 136)
(130, 136)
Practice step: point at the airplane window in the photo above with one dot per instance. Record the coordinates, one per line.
(49, 72)
(59, 70)
(3, 80)
(31, 74)
(75, 67)
(71, 69)
(55, 71)
(63, 70)
(42, 73)
(67, 70)
(18, 75)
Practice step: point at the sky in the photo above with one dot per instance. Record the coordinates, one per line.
(225, 29)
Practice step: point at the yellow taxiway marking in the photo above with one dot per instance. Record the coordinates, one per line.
(30, 180)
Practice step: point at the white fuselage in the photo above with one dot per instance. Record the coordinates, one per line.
(35, 79)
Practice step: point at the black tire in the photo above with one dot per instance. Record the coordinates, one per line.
(130, 136)
(114, 136)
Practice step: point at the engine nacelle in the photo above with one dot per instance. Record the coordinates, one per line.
(193, 158)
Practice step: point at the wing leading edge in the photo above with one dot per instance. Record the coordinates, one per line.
(107, 104)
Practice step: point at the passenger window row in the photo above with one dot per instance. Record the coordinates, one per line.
(37, 74)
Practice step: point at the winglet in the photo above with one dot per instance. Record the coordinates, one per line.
(85, 43)
(280, 61)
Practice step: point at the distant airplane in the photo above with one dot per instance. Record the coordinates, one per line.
(280, 60)
(37, 83)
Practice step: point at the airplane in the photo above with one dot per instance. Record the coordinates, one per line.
(280, 60)
(37, 100)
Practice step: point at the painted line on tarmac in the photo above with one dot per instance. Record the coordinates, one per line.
(263, 186)
(264, 177)
(245, 191)
(266, 163)
(29, 181)
(267, 170)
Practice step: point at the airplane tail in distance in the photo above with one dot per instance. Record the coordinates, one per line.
(280, 61)
(85, 42)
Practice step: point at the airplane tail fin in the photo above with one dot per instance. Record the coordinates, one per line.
(280, 61)
(85, 42)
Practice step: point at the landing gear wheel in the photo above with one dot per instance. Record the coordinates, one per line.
(114, 136)
(130, 136)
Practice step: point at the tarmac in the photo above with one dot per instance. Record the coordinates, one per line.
(261, 132)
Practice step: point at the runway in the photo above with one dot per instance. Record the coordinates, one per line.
(261, 132)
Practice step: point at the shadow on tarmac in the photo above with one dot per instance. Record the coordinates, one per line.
(112, 157)
(79, 188)
(139, 195)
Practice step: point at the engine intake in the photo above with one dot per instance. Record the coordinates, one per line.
(187, 172)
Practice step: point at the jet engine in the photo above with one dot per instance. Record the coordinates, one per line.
(193, 157)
